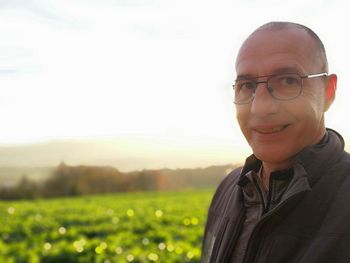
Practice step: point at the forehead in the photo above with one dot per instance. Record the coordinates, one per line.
(267, 51)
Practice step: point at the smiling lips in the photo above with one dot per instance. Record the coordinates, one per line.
(270, 129)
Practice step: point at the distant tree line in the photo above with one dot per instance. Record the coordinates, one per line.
(68, 180)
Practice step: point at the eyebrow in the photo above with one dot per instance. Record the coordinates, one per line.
(274, 72)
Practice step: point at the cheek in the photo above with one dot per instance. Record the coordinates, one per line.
(315, 99)
(306, 113)
(242, 116)
(308, 117)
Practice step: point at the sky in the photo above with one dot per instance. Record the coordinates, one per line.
(155, 71)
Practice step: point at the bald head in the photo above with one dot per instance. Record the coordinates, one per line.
(319, 52)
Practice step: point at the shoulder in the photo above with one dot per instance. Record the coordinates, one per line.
(341, 173)
(340, 170)
(336, 184)
(335, 197)
(229, 180)
(225, 189)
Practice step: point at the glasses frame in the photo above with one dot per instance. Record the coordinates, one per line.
(323, 74)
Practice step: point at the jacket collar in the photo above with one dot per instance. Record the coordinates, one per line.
(313, 159)
(317, 158)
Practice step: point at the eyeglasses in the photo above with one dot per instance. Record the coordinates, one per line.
(286, 86)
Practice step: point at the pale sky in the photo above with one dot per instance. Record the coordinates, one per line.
(160, 70)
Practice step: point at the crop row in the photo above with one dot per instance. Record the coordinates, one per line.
(134, 227)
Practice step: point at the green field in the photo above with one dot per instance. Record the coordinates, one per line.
(134, 227)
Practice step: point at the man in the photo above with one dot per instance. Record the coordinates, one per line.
(290, 200)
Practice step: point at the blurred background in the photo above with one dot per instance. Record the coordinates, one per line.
(138, 84)
(130, 95)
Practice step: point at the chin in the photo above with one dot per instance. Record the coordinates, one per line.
(276, 156)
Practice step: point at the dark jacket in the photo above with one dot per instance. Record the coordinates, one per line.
(311, 224)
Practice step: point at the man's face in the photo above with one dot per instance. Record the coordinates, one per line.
(277, 130)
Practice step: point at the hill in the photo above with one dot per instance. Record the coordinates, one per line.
(11, 175)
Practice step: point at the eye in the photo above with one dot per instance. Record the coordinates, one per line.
(288, 80)
(244, 90)
(285, 86)
(246, 85)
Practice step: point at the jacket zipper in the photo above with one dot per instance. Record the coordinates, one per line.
(269, 197)
(250, 257)
(261, 196)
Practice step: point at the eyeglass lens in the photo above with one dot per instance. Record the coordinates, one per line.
(281, 87)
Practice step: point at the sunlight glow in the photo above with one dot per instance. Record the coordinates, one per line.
(155, 74)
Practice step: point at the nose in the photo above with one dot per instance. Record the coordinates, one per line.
(263, 103)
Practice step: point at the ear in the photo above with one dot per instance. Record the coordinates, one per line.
(331, 87)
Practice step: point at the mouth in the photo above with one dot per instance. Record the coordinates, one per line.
(270, 129)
